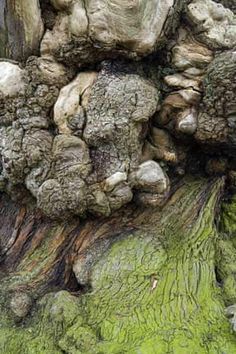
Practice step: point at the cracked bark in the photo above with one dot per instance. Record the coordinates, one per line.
(117, 205)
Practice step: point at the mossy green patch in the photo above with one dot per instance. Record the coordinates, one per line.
(154, 291)
(226, 251)
(228, 217)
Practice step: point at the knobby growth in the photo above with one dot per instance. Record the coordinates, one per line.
(117, 176)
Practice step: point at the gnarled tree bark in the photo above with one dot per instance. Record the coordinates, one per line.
(117, 179)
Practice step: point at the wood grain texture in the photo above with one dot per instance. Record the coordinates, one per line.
(21, 28)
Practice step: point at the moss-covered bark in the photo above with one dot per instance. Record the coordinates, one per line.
(94, 149)
(154, 290)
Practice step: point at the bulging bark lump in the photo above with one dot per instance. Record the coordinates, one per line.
(95, 30)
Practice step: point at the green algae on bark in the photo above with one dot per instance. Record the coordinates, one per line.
(154, 289)
(226, 250)
(228, 217)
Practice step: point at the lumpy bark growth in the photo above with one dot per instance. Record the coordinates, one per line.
(117, 176)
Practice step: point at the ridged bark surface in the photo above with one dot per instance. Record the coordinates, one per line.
(21, 28)
(117, 177)
(152, 280)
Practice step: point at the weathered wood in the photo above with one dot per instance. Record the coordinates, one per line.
(33, 249)
(21, 28)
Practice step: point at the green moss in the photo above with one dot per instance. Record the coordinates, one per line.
(228, 217)
(226, 251)
(156, 292)
(27, 341)
(40, 333)
(79, 340)
(153, 291)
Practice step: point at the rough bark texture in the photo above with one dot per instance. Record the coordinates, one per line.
(117, 177)
(153, 287)
(21, 28)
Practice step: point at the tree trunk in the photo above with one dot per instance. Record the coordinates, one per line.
(21, 28)
(117, 206)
